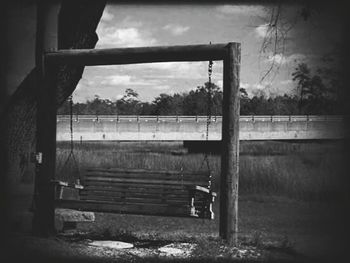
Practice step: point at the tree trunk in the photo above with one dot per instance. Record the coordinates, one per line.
(78, 21)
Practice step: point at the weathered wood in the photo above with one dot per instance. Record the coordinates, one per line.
(131, 185)
(203, 190)
(146, 198)
(145, 181)
(135, 188)
(144, 171)
(43, 221)
(145, 187)
(153, 200)
(46, 150)
(148, 177)
(175, 195)
(137, 200)
(118, 56)
(231, 55)
(142, 191)
(230, 146)
(146, 209)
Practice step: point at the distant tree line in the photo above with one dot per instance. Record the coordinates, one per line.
(314, 96)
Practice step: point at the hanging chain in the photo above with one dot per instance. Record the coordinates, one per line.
(209, 98)
(209, 105)
(70, 100)
(71, 153)
(210, 71)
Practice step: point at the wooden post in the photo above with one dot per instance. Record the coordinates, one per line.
(230, 146)
(43, 220)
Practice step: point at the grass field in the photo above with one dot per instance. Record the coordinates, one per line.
(308, 171)
(288, 200)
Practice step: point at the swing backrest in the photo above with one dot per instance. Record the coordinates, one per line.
(143, 191)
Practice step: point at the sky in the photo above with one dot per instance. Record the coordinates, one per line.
(164, 25)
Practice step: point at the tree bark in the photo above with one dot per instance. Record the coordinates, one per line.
(78, 21)
(230, 146)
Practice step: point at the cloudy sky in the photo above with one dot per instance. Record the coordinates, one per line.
(158, 25)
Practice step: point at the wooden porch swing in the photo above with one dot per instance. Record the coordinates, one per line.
(173, 193)
(141, 191)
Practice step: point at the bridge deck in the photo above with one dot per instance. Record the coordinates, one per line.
(193, 128)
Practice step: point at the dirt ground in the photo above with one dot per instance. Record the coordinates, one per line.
(272, 229)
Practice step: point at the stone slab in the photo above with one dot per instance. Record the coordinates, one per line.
(182, 250)
(70, 215)
(67, 218)
(111, 244)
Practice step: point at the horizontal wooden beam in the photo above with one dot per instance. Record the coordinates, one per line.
(119, 56)
(141, 208)
(144, 172)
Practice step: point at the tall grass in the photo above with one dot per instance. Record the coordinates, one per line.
(298, 170)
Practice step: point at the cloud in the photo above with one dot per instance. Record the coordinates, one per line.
(256, 89)
(84, 83)
(281, 59)
(240, 9)
(136, 83)
(176, 30)
(174, 70)
(261, 30)
(127, 80)
(162, 70)
(259, 86)
(117, 80)
(244, 85)
(267, 89)
(286, 82)
(220, 83)
(277, 58)
(150, 72)
(129, 22)
(248, 87)
(107, 15)
(123, 37)
(161, 87)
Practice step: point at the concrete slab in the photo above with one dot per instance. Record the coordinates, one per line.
(66, 219)
(177, 250)
(111, 244)
(70, 215)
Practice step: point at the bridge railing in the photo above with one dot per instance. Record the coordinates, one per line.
(243, 118)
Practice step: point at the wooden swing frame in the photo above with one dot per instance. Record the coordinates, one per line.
(47, 110)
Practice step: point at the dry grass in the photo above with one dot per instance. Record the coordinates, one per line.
(299, 170)
(270, 173)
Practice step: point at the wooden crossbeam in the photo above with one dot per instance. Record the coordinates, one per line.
(119, 56)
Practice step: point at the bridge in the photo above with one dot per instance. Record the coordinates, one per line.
(193, 128)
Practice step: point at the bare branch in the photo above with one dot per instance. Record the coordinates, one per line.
(273, 44)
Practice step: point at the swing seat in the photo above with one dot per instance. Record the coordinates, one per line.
(145, 192)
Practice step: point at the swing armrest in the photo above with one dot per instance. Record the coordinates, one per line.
(65, 184)
(206, 209)
(64, 190)
(58, 188)
(77, 186)
(204, 190)
(59, 183)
